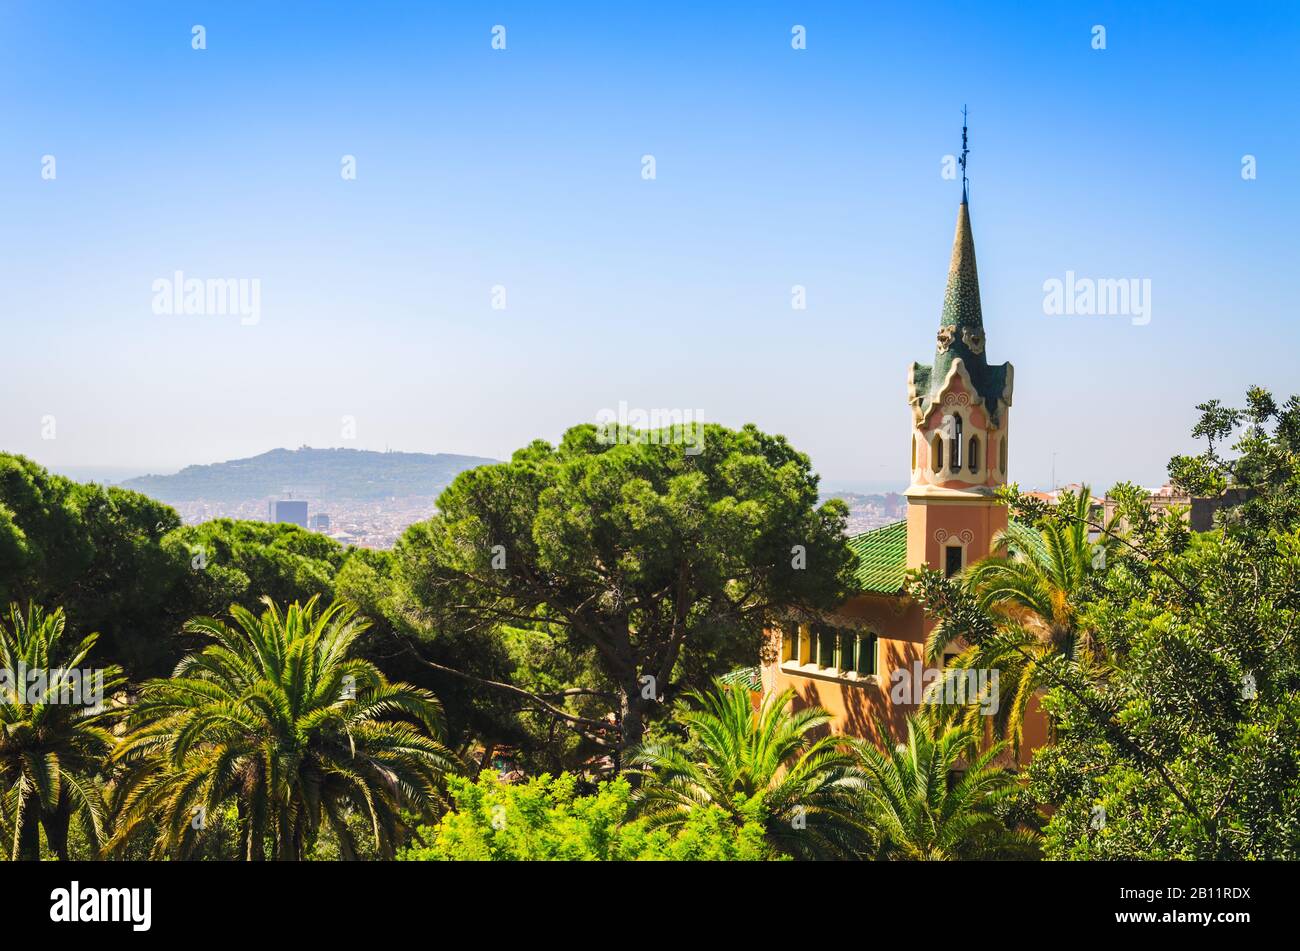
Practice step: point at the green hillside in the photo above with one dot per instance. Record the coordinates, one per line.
(333, 473)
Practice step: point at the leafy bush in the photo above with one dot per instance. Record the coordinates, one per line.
(549, 818)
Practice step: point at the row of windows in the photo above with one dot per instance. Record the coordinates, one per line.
(956, 460)
(836, 649)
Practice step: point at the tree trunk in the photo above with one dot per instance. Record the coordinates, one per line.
(56, 831)
(631, 718)
(243, 825)
(488, 749)
(287, 845)
(29, 836)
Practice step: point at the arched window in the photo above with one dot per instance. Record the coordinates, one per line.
(913, 450)
(1002, 452)
(936, 452)
(956, 442)
(973, 454)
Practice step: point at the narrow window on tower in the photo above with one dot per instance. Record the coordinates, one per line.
(951, 560)
(973, 454)
(936, 452)
(913, 450)
(956, 442)
(1002, 452)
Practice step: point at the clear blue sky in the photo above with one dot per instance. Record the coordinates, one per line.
(522, 168)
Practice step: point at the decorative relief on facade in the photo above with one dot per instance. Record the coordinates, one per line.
(966, 536)
(973, 339)
(946, 335)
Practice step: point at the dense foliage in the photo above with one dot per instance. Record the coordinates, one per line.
(102, 554)
(548, 818)
(54, 734)
(1034, 589)
(277, 716)
(940, 796)
(532, 673)
(1177, 733)
(733, 756)
(656, 561)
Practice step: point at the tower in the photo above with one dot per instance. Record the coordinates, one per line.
(850, 660)
(960, 407)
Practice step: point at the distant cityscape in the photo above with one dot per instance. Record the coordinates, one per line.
(868, 511)
(356, 497)
(368, 499)
(317, 489)
(378, 523)
(365, 523)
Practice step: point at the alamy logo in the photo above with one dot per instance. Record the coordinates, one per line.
(954, 685)
(58, 685)
(216, 296)
(656, 427)
(75, 904)
(1098, 297)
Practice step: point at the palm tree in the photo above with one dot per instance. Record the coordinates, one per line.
(277, 718)
(924, 806)
(1044, 570)
(54, 733)
(1033, 591)
(733, 754)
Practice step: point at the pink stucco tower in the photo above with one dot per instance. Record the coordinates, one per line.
(960, 416)
(851, 661)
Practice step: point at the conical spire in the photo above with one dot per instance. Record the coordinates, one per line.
(961, 332)
(961, 299)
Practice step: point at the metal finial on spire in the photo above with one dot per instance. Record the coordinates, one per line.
(964, 152)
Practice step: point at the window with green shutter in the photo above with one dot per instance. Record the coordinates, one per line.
(831, 648)
(826, 637)
(848, 650)
(866, 659)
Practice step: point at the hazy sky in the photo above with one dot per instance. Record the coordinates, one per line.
(523, 168)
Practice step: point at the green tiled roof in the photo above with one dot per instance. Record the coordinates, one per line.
(882, 558)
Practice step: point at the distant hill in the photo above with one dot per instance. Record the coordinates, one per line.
(322, 473)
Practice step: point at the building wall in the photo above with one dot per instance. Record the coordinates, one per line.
(855, 705)
(292, 511)
(933, 525)
(1198, 512)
